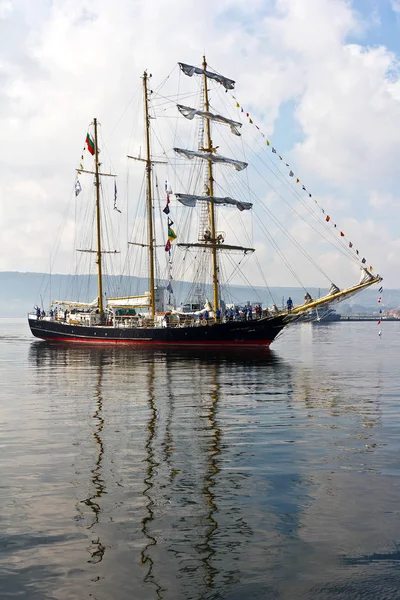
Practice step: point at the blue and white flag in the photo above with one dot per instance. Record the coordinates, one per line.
(78, 188)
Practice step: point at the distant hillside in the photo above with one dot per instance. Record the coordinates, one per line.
(19, 292)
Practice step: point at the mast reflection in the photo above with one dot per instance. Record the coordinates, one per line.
(211, 478)
(152, 464)
(97, 549)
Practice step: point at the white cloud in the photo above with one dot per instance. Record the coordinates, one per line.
(69, 60)
(396, 5)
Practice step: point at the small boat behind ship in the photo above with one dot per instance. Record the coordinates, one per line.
(208, 315)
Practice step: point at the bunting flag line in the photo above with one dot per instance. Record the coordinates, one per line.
(291, 172)
(380, 309)
(171, 235)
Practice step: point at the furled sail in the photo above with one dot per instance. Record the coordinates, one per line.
(189, 70)
(69, 303)
(190, 113)
(130, 301)
(191, 201)
(216, 158)
(218, 245)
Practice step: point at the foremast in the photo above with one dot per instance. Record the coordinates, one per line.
(149, 196)
(211, 210)
(213, 242)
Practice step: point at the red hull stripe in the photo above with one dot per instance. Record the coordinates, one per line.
(151, 343)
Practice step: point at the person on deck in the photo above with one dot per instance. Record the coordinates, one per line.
(218, 315)
(307, 298)
(289, 304)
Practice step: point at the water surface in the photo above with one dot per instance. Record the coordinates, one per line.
(134, 473)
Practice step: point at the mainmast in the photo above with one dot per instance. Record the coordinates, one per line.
(98, 223)
(149, 196)
(211, 210)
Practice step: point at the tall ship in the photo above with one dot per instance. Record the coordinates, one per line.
(188, 225)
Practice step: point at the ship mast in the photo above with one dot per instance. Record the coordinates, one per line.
(211, 210)
(149, 195)
(98, 223)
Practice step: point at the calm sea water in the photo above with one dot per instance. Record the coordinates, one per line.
(166, 474)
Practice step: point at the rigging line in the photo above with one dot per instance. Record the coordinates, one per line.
(341, 248)
(283, 258)
(123, 113)
(283, 229)
(173, 99)
(302, 218)
(293, 240)
(164, 81)
(339, 244)
(265, 279)
(280, 176)
(250, 285)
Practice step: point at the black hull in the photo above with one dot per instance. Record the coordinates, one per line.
(259, 332)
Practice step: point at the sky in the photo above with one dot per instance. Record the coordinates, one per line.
(320, 76)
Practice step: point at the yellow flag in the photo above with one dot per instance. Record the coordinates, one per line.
(267, 143)
(237, 104)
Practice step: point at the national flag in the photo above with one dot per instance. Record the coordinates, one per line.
(90, 144)
(171, 234)
(78, 188)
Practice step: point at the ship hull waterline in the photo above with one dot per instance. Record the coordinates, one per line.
(259, 332)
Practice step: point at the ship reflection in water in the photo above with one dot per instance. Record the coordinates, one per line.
(234, 475)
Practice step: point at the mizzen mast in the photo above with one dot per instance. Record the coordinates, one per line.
(211, 210)
(149, 195)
